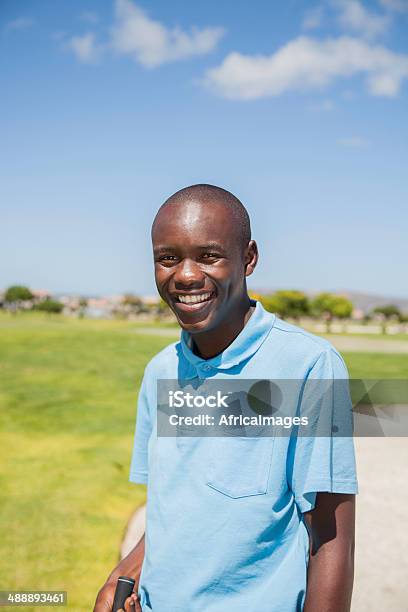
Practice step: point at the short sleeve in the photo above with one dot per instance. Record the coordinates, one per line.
(323, 463)
(139, 464)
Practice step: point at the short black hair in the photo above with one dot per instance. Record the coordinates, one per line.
(205, 193)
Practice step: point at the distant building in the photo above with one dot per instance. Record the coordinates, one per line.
(150, 300)
(41, 294)
(358, 314)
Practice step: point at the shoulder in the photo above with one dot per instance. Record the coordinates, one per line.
(301, 336)
(300, 342)
(166, 356)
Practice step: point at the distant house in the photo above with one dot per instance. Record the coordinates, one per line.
(41, 294)
(358, 314)
(150, 300)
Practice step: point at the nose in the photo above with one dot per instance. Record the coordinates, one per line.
(188, 274)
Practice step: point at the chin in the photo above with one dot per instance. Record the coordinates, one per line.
(195, 327)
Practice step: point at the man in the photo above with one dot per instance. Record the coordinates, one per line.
(233, 525)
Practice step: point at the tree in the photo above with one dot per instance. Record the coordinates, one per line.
(272, 304)
(51, 306)
(295, 303)
(131, 300)
(403, 318)
(130, 305)
(330, 306)
(16, 295)
(287, 303)
(387, 312)
(82, 304)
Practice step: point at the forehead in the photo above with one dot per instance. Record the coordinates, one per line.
(195, 222)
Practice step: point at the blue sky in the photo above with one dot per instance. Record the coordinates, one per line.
(298, 108)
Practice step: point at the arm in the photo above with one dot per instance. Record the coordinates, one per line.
(129, 566)
(331, 561)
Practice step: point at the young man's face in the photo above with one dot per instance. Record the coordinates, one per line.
(200, 264)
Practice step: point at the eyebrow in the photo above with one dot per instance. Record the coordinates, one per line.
(211, 245)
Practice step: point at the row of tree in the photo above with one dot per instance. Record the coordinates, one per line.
(287, 304)
(18, 296)
(135, 305)
(294, 304)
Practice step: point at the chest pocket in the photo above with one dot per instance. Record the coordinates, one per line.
(240, 466)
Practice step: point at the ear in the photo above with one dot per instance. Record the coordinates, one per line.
(251, 257)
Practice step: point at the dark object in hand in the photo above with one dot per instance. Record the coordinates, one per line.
(124, 589)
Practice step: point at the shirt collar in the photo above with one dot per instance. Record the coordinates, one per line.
(244, 346)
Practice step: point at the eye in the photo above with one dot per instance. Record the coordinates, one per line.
(210, 256)
(166, 259)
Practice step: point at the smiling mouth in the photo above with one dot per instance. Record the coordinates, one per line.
(195, 298)
(193, 302)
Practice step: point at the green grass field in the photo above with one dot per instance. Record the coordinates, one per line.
(68, 397)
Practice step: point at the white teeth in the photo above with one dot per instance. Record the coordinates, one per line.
(193, 299)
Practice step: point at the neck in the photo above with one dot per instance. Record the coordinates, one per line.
(210, 343)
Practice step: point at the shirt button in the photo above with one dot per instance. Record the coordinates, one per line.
(207, 368)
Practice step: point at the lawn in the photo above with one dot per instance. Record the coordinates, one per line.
(68, 396)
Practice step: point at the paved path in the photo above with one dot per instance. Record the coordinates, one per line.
(381, 529)
(369, 345)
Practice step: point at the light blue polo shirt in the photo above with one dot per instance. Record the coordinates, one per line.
(225, 530)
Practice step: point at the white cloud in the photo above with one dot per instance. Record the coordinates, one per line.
(150, 43)
(85, 48)
(89, 17)
(355, 17)
(313, 18)
(395, 5)
(21, 23)
(353, 142)
(306, 64)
